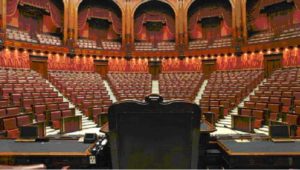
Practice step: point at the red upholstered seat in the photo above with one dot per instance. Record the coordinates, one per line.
(297, 95)
(16, 98)
(13, 110)
(216, 111)
(292, 119)
(39, 109)
(246, 112)
(63, 105)
(10, 125)
(52, 106)
(23, 120)
(249, 104)
(214, 103)
(67, 113)
(55, 119)
(2, 112)
(107, 102)
(274, 99)
(261, 106)
(40, 117)
(258, 114)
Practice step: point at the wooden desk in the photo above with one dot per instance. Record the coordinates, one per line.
(248, 153)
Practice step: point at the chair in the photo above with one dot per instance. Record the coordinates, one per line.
(154, 134)
(23, 120)
(10, 125)
(55, 119)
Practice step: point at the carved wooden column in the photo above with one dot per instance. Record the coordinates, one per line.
(3, 14)
(66, 20)
(244, 19)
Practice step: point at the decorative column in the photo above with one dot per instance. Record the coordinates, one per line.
(73, 20)
(244, 20)
(66, 20)
(180, 20)
(3, 7)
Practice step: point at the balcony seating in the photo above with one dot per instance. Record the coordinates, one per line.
(261, 38)
(84, 89)
(111, 45)
(143, 46)
(166, 46)
(130, 85)
(180, 85)
(198, 44)
(160, 46)
(289, 33)
(15, 34)
(85, 43)
(219, 43)
(49, 39)
(226, 89)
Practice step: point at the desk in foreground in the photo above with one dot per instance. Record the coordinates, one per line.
(260, 154)
(55, 153)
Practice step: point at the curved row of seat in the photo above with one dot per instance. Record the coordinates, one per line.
(180, 85)
(85, 90)
(25, 93)
(130, 85)
(226, 89)
(277, 100)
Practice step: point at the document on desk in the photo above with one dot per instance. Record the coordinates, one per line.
(242, 140)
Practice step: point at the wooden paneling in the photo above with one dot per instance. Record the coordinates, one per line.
(101, 67)
(40, 65)
(209, 66)
(272, 62)
(154, 69)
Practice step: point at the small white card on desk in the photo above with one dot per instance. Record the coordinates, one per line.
(81, 139)
(242, 140)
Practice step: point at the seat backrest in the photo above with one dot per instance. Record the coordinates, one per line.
(66, 113)
(154, 134)
(64, 105)
(39, 109)
(13, 110)
(55, 115)
(246, 112)
(10, 123)
(258, 114)
(2, 112)
(23, 120)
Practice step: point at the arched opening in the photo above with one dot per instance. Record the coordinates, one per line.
(210, 21)
(35, 21)
(99, 24)
(272, 20)
(154, 26)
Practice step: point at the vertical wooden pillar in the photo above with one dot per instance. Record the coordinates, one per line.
(3, 7)
(39, 64)
(272, 62)
(209, 66)
(101, 67)
(154, 68)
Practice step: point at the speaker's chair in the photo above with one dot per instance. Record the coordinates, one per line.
(154, 134)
